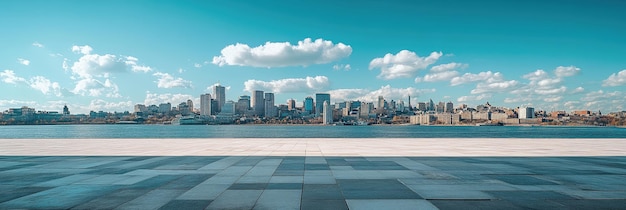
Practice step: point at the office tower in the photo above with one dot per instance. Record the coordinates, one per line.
(205, 104)
(410, 107)
(190, 105)
(381, 103)
(526, 113)
(328, 113)
(140, 108)
(441, 107)
(449, 107)
(270, 110)
(319, 103)
(219, 92)
(243, 104)
(421, 106)
(431, 105)
(165, 107)
(308, 105)
(258, 103)
(291, 104)
(228, 109)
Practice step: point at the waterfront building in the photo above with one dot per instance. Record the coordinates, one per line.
(327, 113)
(219, 92)
(526, 113)
(319, 103)
(431, 105)
(205, 104)
(291, 104)
(308, 105)
(243, 105)
(380, 105)
(270, 109)
(421, 106)
(165, 107)
(441, 107)
(140, 108)
(228, 109)
(190, 105)
(449, 108)
(258, 103)
(66, 111)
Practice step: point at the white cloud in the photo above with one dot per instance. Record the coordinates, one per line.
(23, 61)
(480, 97)
(281, 54)
(469, 77)
(553, 91)
(8, 76)
(566, 71)
(166, 80)
(402, 65)
(516, 100)
(578, 90)
(548, 82)
(102, 105)
(45, 85)
(86, 49)
(96, 88)
(500, 86)
(418, 79)
(616, 79)
(290, 85)
(98, 65)
(448, 67)
(37, 44)
(132, 62)
(553, 99)
(536, 75)
(197, 65)
(346, 67)
(174, 99)
(366, 95)
(440, 76)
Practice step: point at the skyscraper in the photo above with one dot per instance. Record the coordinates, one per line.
(328, 113)
(243, 104)
(219, 92)
(291, 104)
(190, 105)
(205, 104)
(319, 102)
(258, 103)
(526, 113)
(270, 110)
(308, 105)
(449, 107)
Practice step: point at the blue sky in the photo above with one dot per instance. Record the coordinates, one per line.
(111, 55)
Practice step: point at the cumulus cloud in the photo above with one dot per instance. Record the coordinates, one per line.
(448, 67)
(500, 86)
(96, 88)
(552, 91)
(102, 105)
(403, 64)
(23, 61)
(8, 76)
(616, 79)
(566, 71)
(156, 99)
(469, 78)
(45, 85)
(132, 62)
(166, 80)
(86, 49)
(578, 90)
(516, 100)
(480, 97)
(290, 85)
(440, 76)
(553, 99)
(281, 54)
(91, 65)
(346, 67)
(37, 44)
(366, 95)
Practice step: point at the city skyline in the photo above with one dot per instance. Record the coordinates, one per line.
(559, 55)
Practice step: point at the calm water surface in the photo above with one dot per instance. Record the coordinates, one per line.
(299, 131)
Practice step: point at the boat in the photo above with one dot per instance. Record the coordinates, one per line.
(489, 124)
(188, 120)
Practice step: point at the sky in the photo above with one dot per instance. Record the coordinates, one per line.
(110, 55)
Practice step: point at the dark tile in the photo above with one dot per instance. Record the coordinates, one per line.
(370, 184)
(289, 172)
(380, 194)
(186, 204)
(474, 204)
(290, 166)
(112, 200)
(594, 204)
(7, 193)
(25, 179)
(323, 204)
(283, 186)
(321, 192)
(337, 162)
(109, 171)
(187, 181)
(521, 179)
(375, 167)
(528, 195)
(248, 186)
(154, 182)
(316, 167)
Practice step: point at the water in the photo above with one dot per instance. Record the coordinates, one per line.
(299, 131)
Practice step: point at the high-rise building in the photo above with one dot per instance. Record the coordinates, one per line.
(140, 108)
(441, 107)
(228, 109)
(526, 113)
(431, 105)
(66, 111)
(190, 105)
(291, 104)
(381, 103)
(308, 105)
(421, 106)
(205, 104)
(270, 109)
(243, 104)
(319, 102)
(449, 107)
(219, 92)
(258, 103)
(165, 107)
(328, 113)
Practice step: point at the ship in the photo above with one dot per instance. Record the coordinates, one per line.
(188, 120)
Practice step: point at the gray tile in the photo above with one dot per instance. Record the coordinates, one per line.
(324, 204)
(279, 199)
(396, 204)
(151, 200)
(321, 192)
(63, 197)
(185, 204)
(236, 199)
